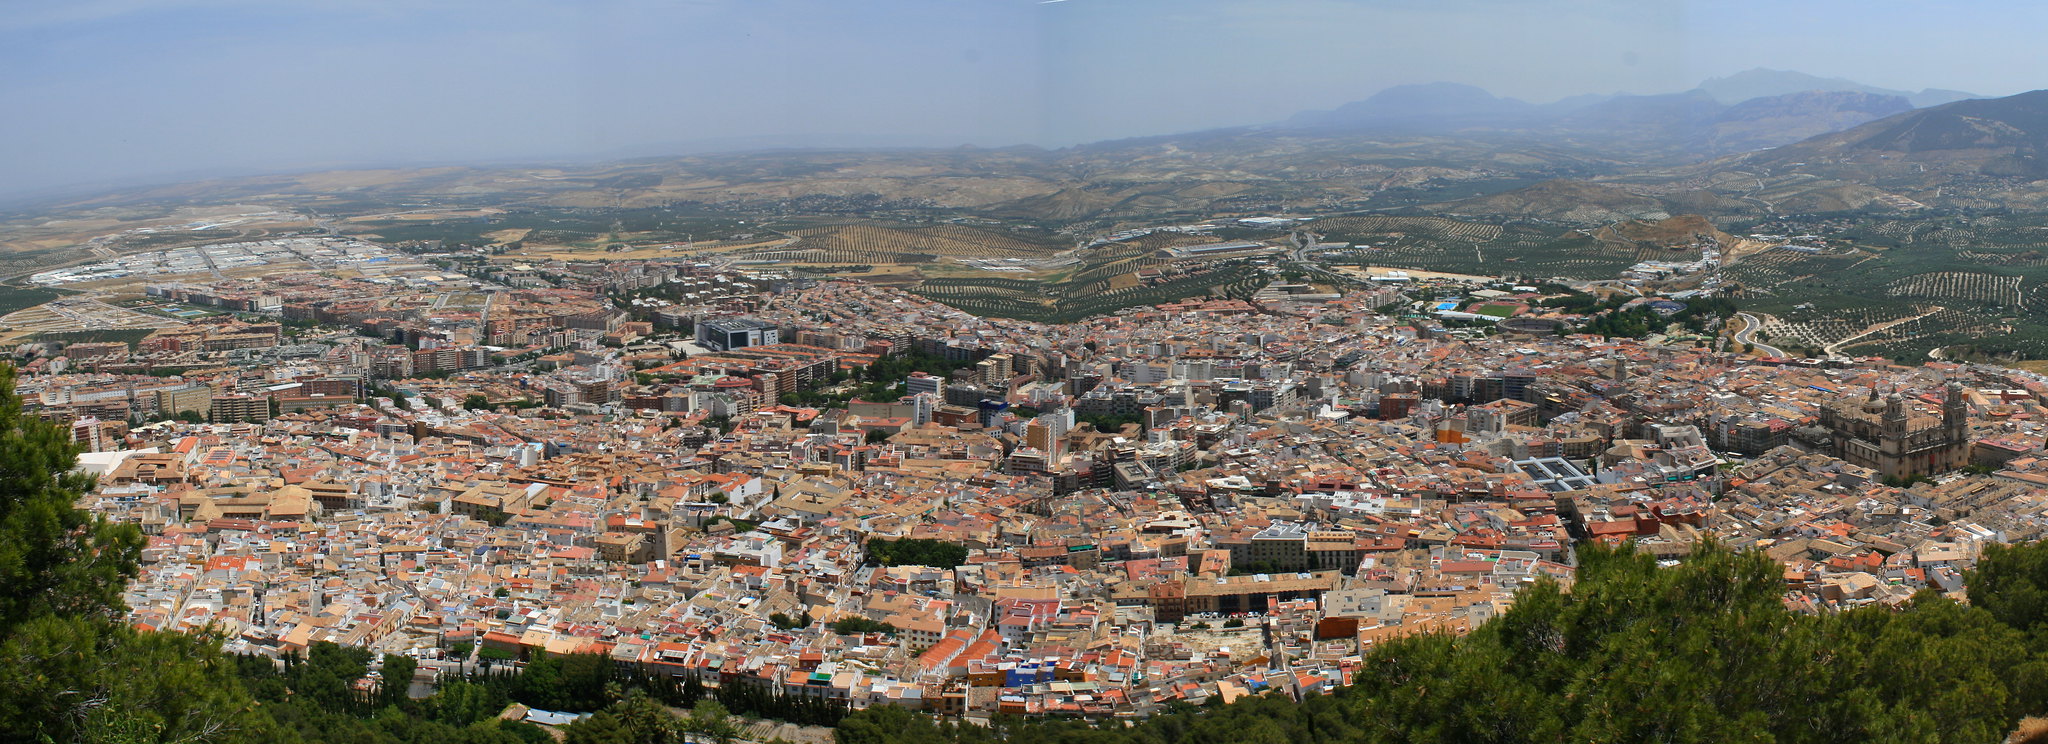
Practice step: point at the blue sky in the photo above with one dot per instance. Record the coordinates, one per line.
(115, 91)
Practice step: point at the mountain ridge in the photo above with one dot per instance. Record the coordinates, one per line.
(1701, 122)
(1762, 82)
(1805, 151)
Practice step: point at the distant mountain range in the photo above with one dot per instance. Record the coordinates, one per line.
(1742, 112)
(1436, 147)
(1764, 83)
(1987, 153)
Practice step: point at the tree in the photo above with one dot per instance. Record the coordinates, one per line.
(327, 674)
(55, 559)
(852, 624)
(914, 551)
(709, 719)
(461, 703)
(602, 728)
(476, 402)
(397, 674)
(645, 721)
(2011, 583)
(68, 667)
(1109, 424)
(571, 682)
(540, 683)
(72, 678)
(888, 724)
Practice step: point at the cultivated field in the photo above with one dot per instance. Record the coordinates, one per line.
(1901, 288)
(878, 244)
(1438, 244)
(1060, 302)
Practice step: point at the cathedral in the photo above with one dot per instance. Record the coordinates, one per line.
(1887, 435)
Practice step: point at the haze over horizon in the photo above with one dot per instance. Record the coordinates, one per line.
(115, 92)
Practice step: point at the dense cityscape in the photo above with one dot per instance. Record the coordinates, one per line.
(850, 493)
(1035, 372)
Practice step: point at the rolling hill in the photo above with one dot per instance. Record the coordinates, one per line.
(1766, 122)
(1980, 132)
(1563, 201)
(1982, 153)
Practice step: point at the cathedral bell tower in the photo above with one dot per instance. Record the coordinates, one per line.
(1895, 414)
(1892, 430)
(1955, 409)
(1955, 418)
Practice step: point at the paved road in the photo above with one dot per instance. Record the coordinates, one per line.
(1750, 325)
(1299, 244)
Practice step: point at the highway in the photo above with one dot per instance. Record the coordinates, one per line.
(1750, 325)
(1300, 243)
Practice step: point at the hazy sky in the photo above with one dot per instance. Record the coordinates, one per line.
(128, 90)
